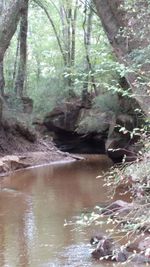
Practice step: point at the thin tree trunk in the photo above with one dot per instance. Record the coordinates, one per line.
(16, 61)
(54, 29)
(38, 69)
(69, 19)
(2, 80)
(69, 63)
(73, 33)
(21, 75)
(87, 28)
(65, 43)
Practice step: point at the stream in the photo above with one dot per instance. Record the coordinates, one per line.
(34, 205)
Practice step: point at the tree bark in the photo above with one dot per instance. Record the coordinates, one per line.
(8, 24)
(73, 33)
(69, 19)
(122, 29)
(87, 28)
(113, 20)
(21, 75)
(2, 80)
(16, 62)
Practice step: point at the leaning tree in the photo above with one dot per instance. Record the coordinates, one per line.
(126, 24)
(10, 15)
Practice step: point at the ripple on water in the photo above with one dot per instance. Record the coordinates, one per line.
(74, 256)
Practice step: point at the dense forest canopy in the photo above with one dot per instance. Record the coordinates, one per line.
(67, 48)
(52, 67)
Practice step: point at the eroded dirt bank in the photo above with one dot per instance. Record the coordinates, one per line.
(21, 147)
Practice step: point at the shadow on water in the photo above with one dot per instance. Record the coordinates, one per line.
(34, 205)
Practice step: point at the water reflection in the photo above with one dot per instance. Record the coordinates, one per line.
(33, 208)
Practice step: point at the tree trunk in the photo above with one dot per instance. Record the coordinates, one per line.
(69, 18)
(16, 62)
(87, 28)
(124, 29)
(2, 80)
(41, 5)
(73, 33)
(8, 24)
(21, 75)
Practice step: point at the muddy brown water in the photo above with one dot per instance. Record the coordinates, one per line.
(34, 205)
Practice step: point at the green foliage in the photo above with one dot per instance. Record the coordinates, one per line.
(91, 124)
(107, 102)
(47, 77)
(47, 95)
(125, 226)
(46, 73)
